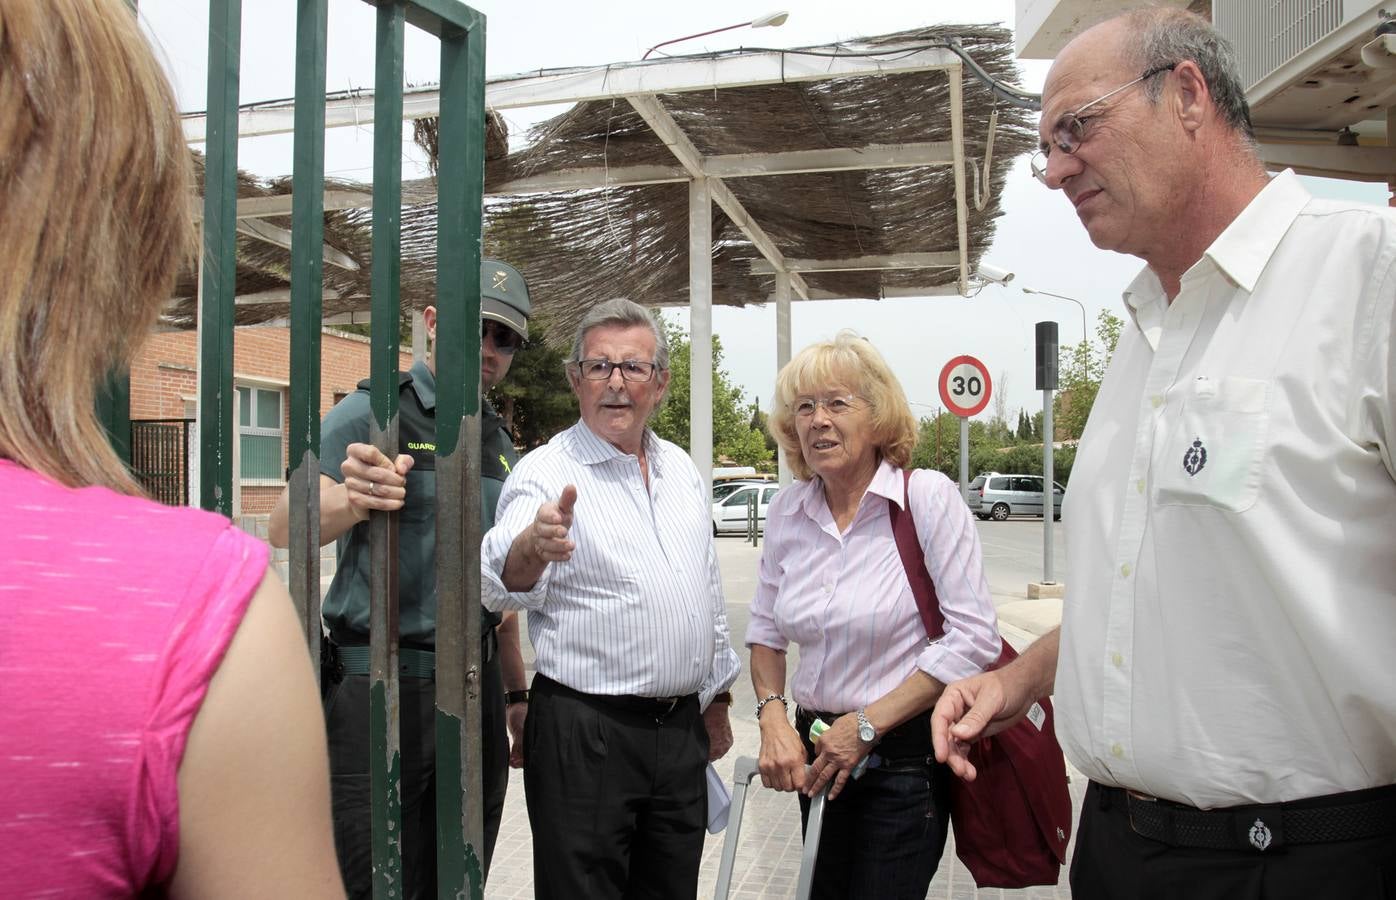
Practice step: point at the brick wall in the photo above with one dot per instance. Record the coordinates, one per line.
(164, 377)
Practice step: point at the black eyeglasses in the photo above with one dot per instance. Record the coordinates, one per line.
(506, 340)
(630, 369)
(1070, 129)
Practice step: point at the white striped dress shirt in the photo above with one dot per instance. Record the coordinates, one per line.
(845, 600)
(638, 609)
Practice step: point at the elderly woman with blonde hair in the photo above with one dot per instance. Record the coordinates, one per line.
(832, 581)
(161, 732)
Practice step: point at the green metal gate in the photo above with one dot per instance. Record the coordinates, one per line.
(461, 31)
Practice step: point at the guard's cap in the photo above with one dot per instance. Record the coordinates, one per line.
(504, 295)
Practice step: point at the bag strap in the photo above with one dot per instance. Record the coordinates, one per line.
(923, 587)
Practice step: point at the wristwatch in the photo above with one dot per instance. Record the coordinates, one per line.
(866, 732)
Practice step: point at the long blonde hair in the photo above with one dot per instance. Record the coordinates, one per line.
(95, 192)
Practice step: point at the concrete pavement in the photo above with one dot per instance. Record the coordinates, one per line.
(768, 856)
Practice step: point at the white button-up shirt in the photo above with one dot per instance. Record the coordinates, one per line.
(845, 600)
(1231, 522)
(638, 609)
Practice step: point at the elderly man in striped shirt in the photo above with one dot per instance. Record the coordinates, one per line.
(605, 536)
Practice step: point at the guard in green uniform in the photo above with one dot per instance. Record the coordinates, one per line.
(355, 479)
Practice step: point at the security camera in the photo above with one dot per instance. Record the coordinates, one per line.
(1380, 52)
(993, 274)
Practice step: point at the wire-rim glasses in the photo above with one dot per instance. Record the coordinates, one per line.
(1070, 129)
(630, 369)
(843, 404)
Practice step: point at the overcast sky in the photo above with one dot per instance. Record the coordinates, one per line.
(1039, 237)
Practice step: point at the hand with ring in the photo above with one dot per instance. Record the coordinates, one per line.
(372, 481)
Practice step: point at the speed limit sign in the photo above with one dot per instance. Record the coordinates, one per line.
(965, 386)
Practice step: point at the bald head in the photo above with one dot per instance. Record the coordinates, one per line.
(1147, 39)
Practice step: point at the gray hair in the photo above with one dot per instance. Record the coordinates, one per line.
(1162, 37)
(620, 313)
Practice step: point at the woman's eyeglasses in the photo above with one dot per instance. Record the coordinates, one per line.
(804, 407)
(630, 369)
(505, 339)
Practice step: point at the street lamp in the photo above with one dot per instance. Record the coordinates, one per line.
(1084, 337)
(772, 20)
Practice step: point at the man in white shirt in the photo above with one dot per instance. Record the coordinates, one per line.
(1222, 670)
(605, 536)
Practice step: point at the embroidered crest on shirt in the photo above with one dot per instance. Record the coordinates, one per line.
(1259, 835)
(1195, 458)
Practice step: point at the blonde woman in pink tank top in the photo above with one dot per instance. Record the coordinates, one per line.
(160, 729)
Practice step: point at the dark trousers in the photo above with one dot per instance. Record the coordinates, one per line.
(1112, 861)
(884, 834)
(616, 798)
(347, 721)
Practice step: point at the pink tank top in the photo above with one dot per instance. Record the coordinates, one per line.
(114, 614)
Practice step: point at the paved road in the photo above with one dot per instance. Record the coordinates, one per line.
(769, 854)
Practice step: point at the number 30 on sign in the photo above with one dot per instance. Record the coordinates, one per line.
(965, 386)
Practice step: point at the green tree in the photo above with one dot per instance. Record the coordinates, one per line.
(1079, 382)
(534, 398)
(734, 437)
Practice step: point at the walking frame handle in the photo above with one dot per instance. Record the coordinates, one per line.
(744, 772)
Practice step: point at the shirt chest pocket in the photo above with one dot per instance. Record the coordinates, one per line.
(1212, 453)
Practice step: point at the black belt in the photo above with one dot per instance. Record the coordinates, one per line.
(354, 659)
(658, 708)
(1349, 816)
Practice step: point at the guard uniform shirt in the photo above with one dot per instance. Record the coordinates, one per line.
(346, 605)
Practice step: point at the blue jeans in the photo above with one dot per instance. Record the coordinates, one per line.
(884, 834)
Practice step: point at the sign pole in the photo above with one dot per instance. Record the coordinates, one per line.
(964, 458)
(1046, 370)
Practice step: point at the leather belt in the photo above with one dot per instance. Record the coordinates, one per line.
(658, 708)
(1353, 815)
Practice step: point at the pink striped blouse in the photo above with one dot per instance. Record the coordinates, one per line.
(845, 601)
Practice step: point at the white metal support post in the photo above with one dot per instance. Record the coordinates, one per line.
(783, 352)
(700, 327)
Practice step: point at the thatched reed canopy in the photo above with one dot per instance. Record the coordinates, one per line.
(846, 231)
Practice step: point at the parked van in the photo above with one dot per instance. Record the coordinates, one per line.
(1001, 496)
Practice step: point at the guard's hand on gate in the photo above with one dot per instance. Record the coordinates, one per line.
(372, 481)
(548, 535)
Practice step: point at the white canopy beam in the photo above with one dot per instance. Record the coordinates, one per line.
(700, 331)
(739, 165)
(668, 131)
(957, 147)
(281, 237)
(937, 260)
(356, 108)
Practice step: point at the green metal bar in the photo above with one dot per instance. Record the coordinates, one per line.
(460, 194)
(114, 412)
(307, 284)
(384, 707)
(219, 267)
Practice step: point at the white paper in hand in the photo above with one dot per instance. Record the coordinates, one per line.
(719, 801)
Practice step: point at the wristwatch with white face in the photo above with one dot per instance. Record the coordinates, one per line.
(866, 732)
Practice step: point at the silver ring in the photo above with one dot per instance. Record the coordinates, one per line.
(373, 488)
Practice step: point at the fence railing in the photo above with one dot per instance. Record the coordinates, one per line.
(160, 458)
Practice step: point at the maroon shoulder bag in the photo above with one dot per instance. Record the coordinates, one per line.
(1013, 821)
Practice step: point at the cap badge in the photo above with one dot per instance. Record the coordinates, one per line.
(500, 277)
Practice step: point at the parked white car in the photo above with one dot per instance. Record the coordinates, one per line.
(730, 513)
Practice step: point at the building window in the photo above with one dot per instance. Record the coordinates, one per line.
(260, 434)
